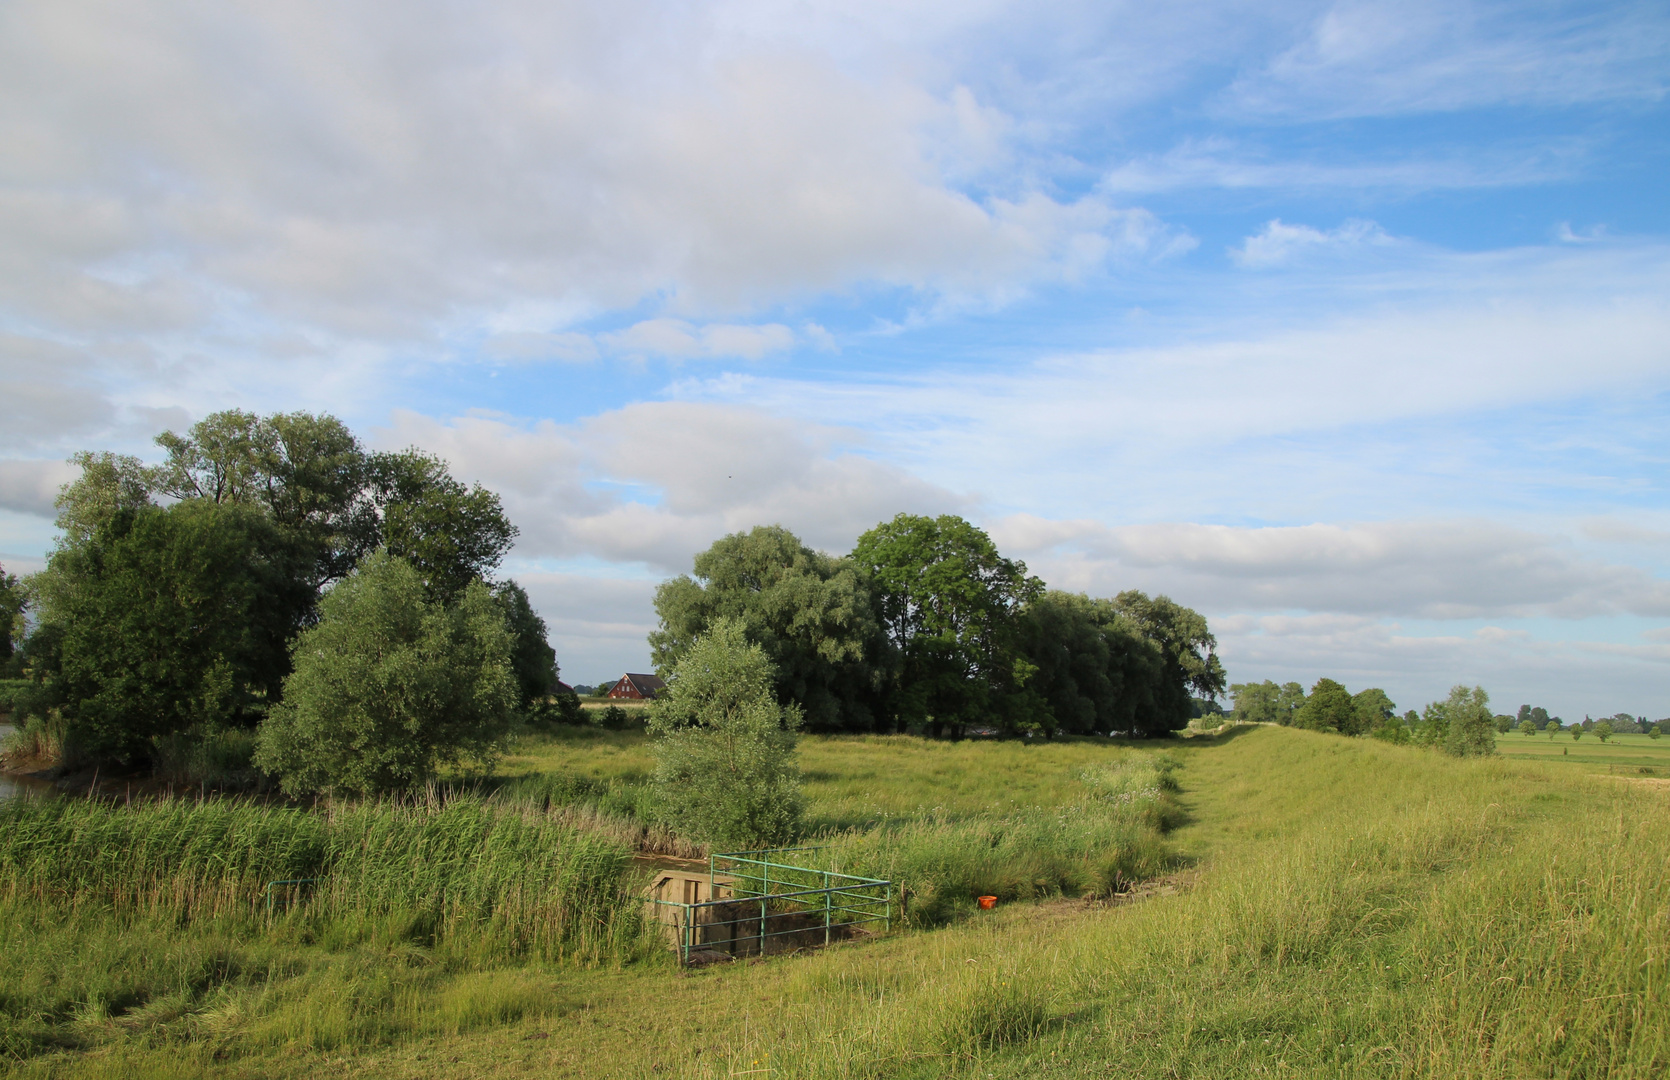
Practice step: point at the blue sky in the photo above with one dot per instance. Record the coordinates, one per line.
(1346, 323)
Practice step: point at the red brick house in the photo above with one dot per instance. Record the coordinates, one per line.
(637, 687)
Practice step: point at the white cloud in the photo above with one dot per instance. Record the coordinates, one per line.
(679, 340)
(1280, 243)
(1420, 569)
(30, 487)
(657, 482)
(1377, 57)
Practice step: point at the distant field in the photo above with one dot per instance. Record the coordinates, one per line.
(1619, 754)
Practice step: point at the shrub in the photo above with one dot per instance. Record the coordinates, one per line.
(725, 769)
(390, 686)
(1603, 731)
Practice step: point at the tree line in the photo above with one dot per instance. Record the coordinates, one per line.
(273, 577)
(924, 626)
(1462, 724)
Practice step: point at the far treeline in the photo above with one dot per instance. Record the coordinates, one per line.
(1462, 725)
(275, 598)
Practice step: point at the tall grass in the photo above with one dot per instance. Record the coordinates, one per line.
(1106, 837)
(526, 882)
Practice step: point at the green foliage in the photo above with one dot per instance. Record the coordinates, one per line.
(1433, 728)
(1328, 708)
(812, 615)
(1603, 731)
(1656, 732)
(1267, 703)
(1186, 643)
(725, 770)
(947, 603)
(613, 718)
(1471, 728)
(390, 686)
(12, 605)
(1372, 709)
(163, 621)
(532, 660)
(1576, 732)
(1393, 729)
(452, 535)
(1527, 727)
(1094, 670)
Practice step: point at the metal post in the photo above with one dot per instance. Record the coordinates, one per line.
(762, 926)
(826, 903)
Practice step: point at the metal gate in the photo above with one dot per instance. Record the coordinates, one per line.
(759, 903)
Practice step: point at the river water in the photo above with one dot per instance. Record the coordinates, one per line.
(17, 787)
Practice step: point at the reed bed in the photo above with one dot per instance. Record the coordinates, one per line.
(525, 882)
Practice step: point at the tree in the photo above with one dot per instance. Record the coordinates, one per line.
(1603, 730)
(451, 534)
(1255, 703)
(1527, 727)
(1523, 715)
(12, 605)
(1472, 726)
(1371, 708)
(108, 483)
(1392, 729)
(1539, 717)
(1092, 670)
(725, 770)
(1328, 708)
(947, 603)
(391, 685)
(1576, 732)
(1553, 727)
(1189, 651)
(166, 620)
(307, 471)
(811, 614)
(532, 660)
(1434, 726)
(1656, 732)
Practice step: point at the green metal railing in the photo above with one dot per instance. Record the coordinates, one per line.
(772, 899)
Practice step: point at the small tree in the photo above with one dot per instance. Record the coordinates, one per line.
(1603, 731)
(1527, 728)
(1576, 732)
(1472, 728)
(1658, 730)
(725, 770)
(1553, 727)
(390, 686)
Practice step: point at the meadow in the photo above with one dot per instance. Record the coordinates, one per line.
(1332, 907)
(1631, 754)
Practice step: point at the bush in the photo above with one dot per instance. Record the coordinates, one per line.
(1603, 731)
(390, 686)
(725, 769)
(614, 718)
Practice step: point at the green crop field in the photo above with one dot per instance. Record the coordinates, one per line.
(1639, 755)
(1327, 907)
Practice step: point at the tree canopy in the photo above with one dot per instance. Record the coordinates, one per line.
(811, 615)
(164, 620)
(947, 602)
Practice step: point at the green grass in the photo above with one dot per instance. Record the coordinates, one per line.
(1354, 910)
(1619, 754)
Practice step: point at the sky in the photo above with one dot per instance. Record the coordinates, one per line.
(1346, 324)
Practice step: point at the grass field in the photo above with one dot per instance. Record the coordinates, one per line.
(1639, 755)
(1350, 909)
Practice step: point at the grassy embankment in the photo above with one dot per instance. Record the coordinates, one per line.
(129, 936)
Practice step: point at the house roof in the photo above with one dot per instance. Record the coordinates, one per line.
(647, 685)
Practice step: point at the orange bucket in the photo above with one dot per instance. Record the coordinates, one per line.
(987, 903)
